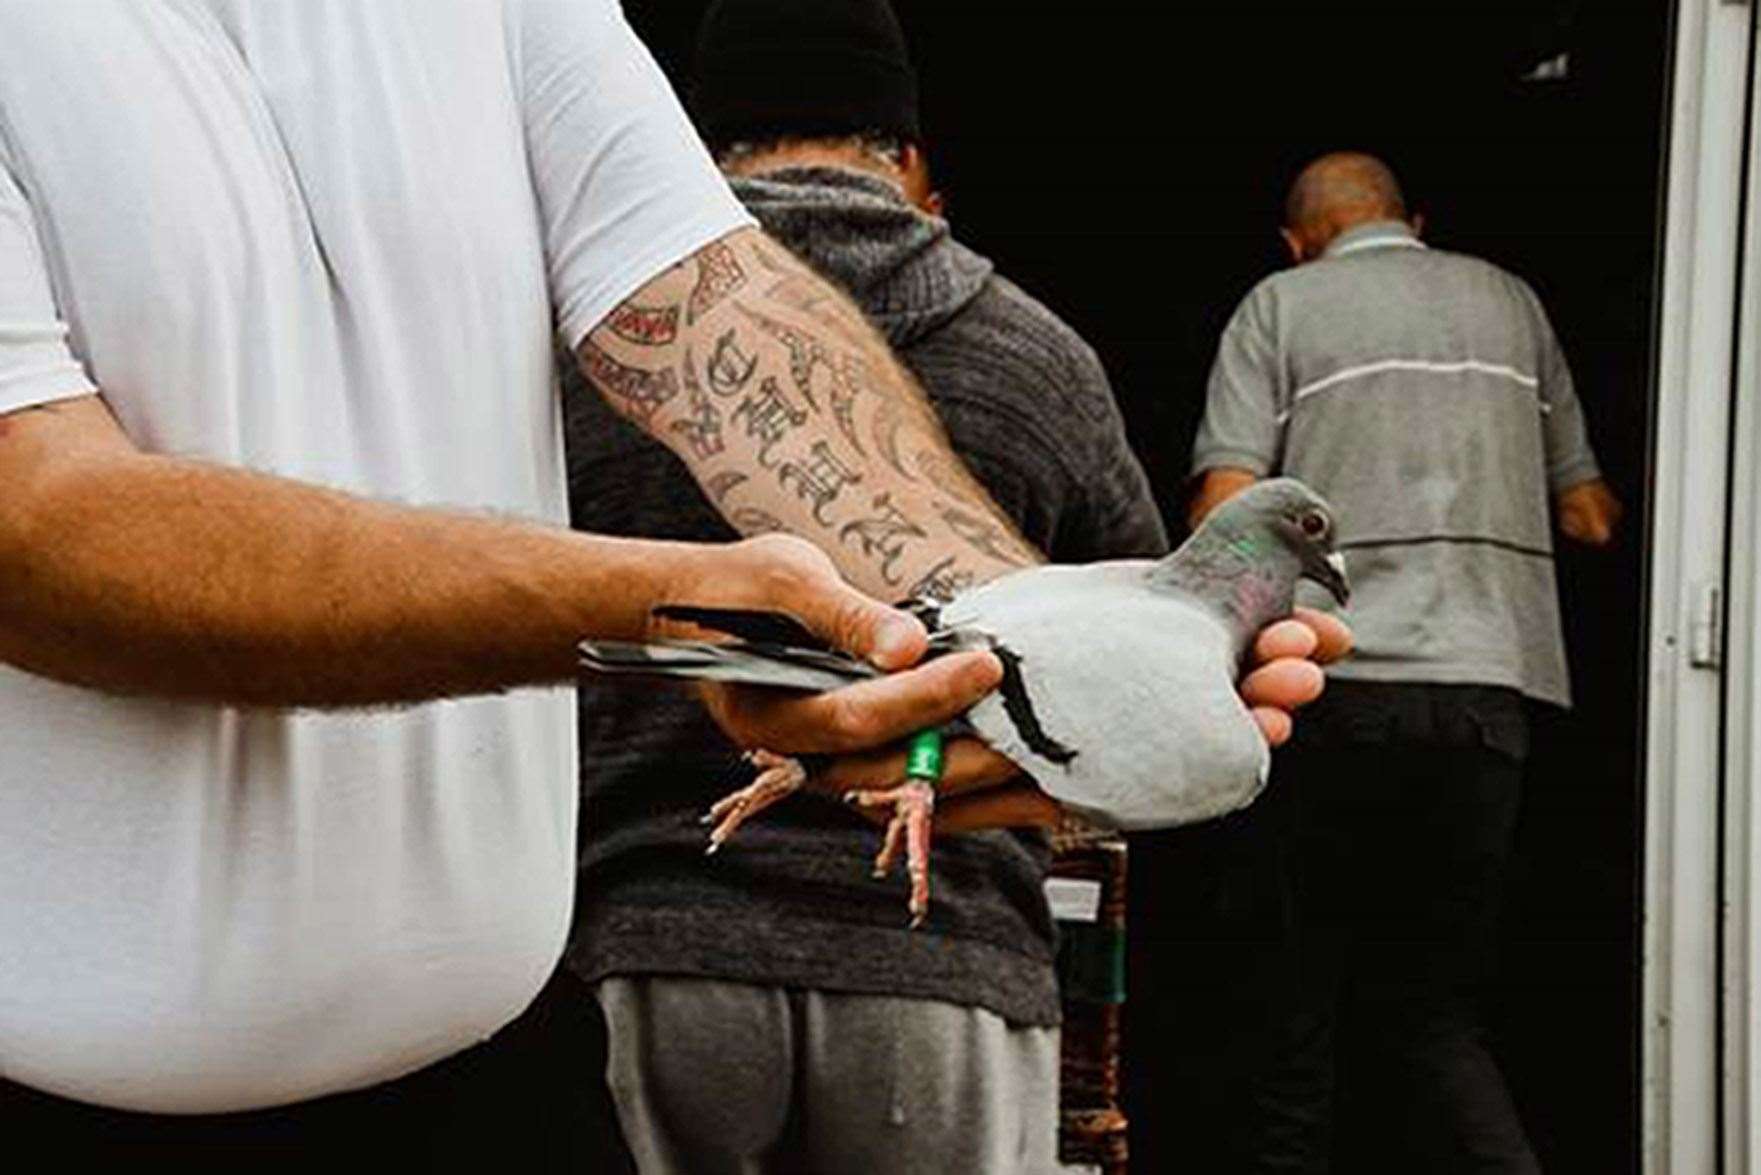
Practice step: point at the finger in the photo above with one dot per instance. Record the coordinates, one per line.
(967, 765)
(786, 573)
(1274, 724)
(857, 717)
(861, 625)
(1283, 685)
(1020, 805)
(1334, 636)
(1287, 638)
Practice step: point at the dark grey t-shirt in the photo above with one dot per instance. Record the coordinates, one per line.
(1424, 394)
(789, 902)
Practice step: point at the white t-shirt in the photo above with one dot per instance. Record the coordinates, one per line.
(322, 239)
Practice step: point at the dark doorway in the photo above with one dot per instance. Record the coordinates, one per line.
(1126, 163)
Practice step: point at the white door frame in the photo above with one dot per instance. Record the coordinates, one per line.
(1741, 962)
(1691, 486)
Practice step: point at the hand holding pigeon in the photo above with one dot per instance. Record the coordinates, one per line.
(1118, 695)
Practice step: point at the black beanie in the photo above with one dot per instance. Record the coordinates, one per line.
(769, 69)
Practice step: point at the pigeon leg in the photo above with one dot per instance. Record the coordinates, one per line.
(778, 776)
(914, 804)
(889, 853)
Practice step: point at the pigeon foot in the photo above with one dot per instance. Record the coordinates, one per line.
(778, 776)
(913, 803)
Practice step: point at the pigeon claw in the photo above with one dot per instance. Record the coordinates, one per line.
(778, 776)
(914, 804)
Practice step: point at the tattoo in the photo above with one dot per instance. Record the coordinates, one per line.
(768, 259)
(885, 533)
(702, 429)
(643, 392)
(845, 374)
(718, 275)
(767, 417)
(816, 298)
(646, 326)
(752, 520)
(942, 582)
(805, 353)
(854, 377)
(730, 368)
(819, 479)
(981, 534)
(723, 483)
(944, 475)
(801, 292)
(889, 419)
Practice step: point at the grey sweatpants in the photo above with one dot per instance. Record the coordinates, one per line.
(714, 1078)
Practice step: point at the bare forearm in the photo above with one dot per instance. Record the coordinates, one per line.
(142, 574)
(793, 415)
(1216, 487)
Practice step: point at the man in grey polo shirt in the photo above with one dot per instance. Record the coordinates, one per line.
(1425, 395)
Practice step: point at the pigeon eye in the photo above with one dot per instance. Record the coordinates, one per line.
(1314, 524)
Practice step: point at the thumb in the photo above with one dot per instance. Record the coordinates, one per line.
(857, 623)
(861, 625)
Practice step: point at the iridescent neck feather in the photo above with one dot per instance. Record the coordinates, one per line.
(1241, 571)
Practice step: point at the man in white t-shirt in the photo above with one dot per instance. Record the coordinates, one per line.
(278, 437)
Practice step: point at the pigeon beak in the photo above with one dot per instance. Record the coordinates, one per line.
(1330, 574)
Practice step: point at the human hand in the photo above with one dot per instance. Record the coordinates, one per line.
(1289, 655)
(1588, 513)
(780, 573)
(981, 789)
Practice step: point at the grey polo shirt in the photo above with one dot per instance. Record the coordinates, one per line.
(1424, 394)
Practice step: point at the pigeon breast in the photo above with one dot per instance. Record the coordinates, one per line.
(1138, 681)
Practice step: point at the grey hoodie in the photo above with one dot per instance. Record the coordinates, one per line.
(790, 903)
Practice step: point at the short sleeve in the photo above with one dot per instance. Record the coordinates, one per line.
(36, 365)
(1570, 459)
(625, 186)
(1240, 427)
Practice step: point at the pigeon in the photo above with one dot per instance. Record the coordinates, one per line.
(1118, 696)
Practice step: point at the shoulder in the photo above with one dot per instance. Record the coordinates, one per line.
(1487, 273)
(1012, 309)
(1259, 308)
(1026, 399)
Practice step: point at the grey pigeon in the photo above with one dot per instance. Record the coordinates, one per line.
(1119, 694)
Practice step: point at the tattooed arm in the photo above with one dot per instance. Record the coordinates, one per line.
(794, 416)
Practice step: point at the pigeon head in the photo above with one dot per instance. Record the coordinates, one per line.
(1245, 559)
(1285, 512)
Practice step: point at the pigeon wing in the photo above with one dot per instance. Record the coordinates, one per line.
(740, 662)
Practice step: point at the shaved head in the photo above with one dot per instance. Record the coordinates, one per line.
(1339, 191)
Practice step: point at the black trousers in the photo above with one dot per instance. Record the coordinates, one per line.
(1394, 817)
(531, 1098)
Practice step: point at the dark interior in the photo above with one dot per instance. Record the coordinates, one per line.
(1126, 163)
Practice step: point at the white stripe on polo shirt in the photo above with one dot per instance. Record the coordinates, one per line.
(1429, 366)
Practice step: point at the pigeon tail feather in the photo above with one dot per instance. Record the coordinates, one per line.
(751, 624)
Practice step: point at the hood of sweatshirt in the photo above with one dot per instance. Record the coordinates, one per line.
(901, 266)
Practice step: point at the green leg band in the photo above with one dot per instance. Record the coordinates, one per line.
(924, 758)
